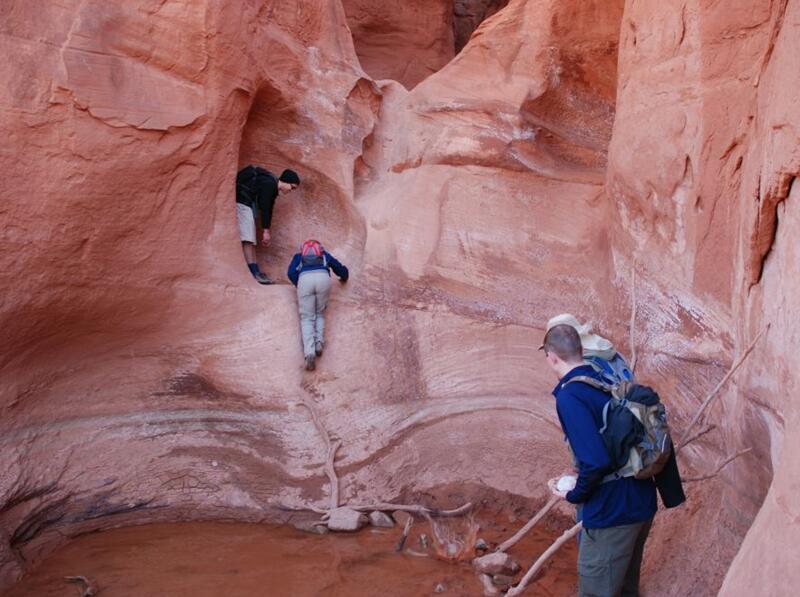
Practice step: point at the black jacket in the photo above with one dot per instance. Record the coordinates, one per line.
(257, 188)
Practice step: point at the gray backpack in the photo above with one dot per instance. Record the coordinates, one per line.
(634, 430)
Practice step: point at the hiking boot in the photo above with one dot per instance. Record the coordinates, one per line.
(310, 365)
(318, 348)
(262, 278)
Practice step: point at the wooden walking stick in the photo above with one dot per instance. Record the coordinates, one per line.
(543, 559)
(506, 545)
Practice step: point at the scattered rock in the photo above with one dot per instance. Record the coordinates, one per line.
(496, 563)
(481, 545)
(346, 519)
(488, 585)
(311, 526)
(401, 516)
(503, 580)
(440, 588)
(380, 519)
(423, 541)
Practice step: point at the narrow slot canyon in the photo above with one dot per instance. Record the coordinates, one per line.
(480, 166)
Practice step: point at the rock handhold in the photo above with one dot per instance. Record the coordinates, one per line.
(346, 520)
(503, 580)
(488, 586)
(380, 519)
(311, 526)
(496, 563)
(401, 516)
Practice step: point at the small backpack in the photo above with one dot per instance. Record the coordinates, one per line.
(312, 254)
(634, 431)
(612, 371)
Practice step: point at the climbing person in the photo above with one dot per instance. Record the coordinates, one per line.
(597, 351)
(617, 511)
(256, 190)
(309, 270)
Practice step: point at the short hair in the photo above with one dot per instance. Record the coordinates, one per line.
(290, 177)
(565, 342)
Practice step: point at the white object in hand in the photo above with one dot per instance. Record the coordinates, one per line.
(566, 483)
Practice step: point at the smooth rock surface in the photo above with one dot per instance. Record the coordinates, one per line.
(496, 563)
(380, 519)
(346, 520)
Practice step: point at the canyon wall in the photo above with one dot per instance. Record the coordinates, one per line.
(145, 376)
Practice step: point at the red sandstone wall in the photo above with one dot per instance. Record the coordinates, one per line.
(703, 155)
(145, 376)
(402, 40)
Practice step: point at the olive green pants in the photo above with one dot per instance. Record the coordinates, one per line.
(609, 560)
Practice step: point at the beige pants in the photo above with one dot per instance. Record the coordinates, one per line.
(313, 289)
(247, 223)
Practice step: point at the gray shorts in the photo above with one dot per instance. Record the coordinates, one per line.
(247, 223)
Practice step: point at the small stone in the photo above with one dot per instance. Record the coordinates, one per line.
(311, 526)
(423, 541)
(488, 586)
(481, 545)
(401, 516)
(346, 520)
(503, 580)
(440, 588)
(496, 563)
(379, 519)
(214, 463)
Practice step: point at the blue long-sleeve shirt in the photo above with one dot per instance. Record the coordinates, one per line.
(294, 270)
(615, 503)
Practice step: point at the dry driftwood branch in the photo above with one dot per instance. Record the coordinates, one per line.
(721, 466)
(86, 589)
(506, 545)
(699, 434)
(331, 471)
(303, 508)
(422, 510)
(699, 414)
(404, 536)
(543, 559)
(632, 328)
(332, 448)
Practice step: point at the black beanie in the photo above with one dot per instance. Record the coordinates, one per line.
(290, 177)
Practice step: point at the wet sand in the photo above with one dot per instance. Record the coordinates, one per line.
(231, 559)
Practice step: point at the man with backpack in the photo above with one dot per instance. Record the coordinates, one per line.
(597, 351)
(309, 270)
(256, 190)
(617, 507)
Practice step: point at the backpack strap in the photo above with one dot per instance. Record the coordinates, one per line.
(627, 470)
(591, 381)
